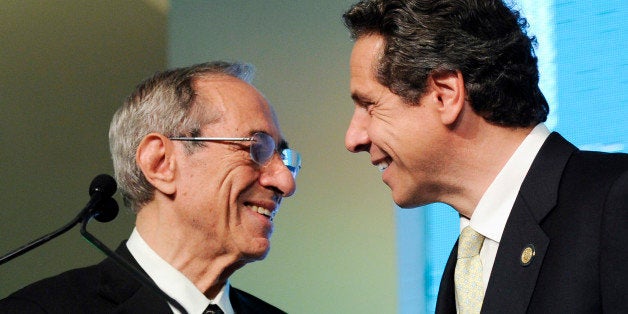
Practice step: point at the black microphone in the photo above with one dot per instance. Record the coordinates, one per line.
(100, 190)
(106, 210)
(104, 213)
(104, 184)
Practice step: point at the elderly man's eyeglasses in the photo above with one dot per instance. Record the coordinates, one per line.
(262, 149)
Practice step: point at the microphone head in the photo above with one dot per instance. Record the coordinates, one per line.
(106, 210)
(105, 184)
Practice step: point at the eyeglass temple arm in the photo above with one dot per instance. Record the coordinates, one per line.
(204, 139)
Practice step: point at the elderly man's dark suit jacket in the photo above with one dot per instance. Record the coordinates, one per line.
(106, 288)
(573, 209)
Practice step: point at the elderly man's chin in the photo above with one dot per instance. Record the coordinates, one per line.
(258, 251)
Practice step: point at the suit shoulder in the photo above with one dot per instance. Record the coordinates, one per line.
(615, 162)
(56, 294)
(597, 167)
(591, 182)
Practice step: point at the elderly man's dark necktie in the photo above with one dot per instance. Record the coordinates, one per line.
(213, 309)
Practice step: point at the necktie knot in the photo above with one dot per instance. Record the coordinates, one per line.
(468, 273)
(213, 309)
(470, 243)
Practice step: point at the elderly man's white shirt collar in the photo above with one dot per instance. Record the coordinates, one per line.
(173, 282)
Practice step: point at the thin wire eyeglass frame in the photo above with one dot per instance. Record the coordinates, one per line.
(260, 154)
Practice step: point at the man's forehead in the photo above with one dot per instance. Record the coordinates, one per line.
(364, 59)
(243, 109)
(367, 50)
(216, 82)
(225, 90)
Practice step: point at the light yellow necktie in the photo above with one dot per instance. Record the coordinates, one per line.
(468, 273)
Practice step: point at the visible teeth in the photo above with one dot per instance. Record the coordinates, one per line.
(382, 166)
(261, 210)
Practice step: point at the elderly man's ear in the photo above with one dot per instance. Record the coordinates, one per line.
(156, 160)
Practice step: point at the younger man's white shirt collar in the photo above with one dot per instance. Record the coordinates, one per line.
(492, 211)
(173, 282)
(491, 214)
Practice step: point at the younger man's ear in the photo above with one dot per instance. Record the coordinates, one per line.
(155, 159)
(450, 94)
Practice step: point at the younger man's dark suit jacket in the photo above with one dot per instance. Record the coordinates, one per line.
(572, 211)
(107, 288)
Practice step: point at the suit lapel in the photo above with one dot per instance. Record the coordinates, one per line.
(242, 302)
(512, 280)
(129, 295)
(446, 302)
(245, 303)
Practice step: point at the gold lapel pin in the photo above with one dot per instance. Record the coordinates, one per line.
(527, 255)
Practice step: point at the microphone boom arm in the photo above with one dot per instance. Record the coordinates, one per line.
(37, 242)
(102, 188)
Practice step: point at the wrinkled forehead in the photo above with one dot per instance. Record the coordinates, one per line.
(237, 105)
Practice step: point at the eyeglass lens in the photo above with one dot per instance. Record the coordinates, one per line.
(292, 159)
(263, 149)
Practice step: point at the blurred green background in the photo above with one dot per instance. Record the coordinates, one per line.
(68, 65)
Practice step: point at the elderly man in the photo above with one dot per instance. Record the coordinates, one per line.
(200, 158)
(448, 106)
